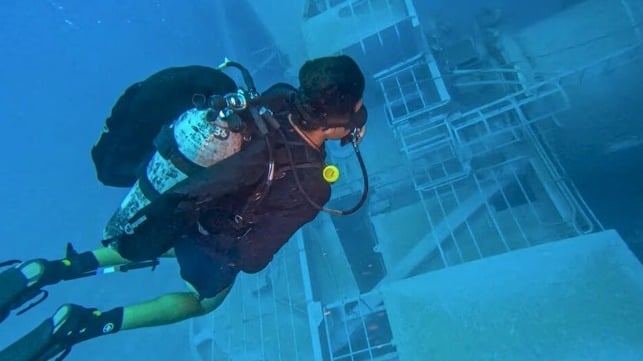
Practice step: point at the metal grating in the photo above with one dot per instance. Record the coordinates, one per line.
(348, 22)
(432, 151)
(494, 125)
(411, 88)
(263, 319)
(514, 204)
(357, 330)
(266, 320)
(442, 149)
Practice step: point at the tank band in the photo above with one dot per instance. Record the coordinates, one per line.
(168, 148)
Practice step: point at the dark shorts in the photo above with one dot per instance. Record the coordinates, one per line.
(209, 273)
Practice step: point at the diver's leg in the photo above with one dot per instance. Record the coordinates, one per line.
(210, 278)
(24, 281)
(72, 324)
(208, 275)
(170, 308)
(108, 256)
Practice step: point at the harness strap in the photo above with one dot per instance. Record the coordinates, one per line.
(305, 159)
(148, 189)
(168, 148)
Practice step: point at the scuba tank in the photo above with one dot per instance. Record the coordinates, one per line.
(200, 138)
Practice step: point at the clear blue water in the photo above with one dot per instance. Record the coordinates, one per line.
(63, 64)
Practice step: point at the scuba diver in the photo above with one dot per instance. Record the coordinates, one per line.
(220, 178)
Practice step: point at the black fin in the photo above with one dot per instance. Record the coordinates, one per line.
(37, 345)
(15, 290)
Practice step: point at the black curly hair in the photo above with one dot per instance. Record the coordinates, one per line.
(329, 86)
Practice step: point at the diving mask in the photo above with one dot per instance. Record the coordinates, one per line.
(357, 124)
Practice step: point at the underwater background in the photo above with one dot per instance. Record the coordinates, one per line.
(65, 62)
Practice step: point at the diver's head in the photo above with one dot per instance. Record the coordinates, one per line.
(329, 97)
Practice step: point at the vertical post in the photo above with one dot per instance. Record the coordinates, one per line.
(311, 305)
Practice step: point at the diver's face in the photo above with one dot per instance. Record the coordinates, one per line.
(336, 133)
(341, 132)
(359, 105)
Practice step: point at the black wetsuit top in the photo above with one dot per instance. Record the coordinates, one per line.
(276, 216)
